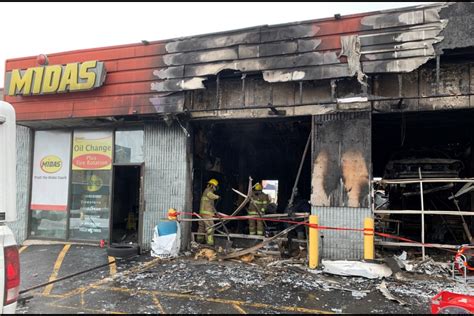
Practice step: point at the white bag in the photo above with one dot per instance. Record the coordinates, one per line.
(166, 246)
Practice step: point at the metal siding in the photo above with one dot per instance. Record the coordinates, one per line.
(341, 244)
(23, 170)
(337, 134)
(165, 175)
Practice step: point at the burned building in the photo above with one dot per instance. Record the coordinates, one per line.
(110, 138)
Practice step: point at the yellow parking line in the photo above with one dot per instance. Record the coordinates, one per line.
(85, 309)
(138, 269)
(113, 266)
(40, 294)
(57, 266)
(239, 309)
(158, 304)
(216, 300)
(22, 249)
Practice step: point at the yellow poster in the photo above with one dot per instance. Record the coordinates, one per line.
(92, 151)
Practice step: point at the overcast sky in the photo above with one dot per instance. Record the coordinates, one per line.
(30, 29)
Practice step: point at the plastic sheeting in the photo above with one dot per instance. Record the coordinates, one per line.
(165, 246)
(357, 268)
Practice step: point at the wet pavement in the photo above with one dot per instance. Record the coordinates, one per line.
(184, 285)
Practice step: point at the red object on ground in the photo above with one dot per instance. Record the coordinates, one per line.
(448, 303)
(102, 243)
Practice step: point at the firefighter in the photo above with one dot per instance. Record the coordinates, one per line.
(260, 200)
(208, 210)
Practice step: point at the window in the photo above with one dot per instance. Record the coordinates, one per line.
(50, 184)
(91, 183)
(129, 146)
(90, 204)
(48, 224)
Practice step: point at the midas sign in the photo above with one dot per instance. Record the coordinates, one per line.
(55, 78)
(51, 164)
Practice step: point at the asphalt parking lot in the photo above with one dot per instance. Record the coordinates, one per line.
(107, 290)
(181, 286)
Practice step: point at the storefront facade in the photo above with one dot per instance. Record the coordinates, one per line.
(113, 137)
(87, 164)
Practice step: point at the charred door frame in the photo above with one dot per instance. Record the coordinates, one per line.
(141, 203)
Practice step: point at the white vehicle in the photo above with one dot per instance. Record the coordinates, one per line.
(9, 256)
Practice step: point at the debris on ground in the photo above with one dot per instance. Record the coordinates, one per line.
(383, 288)
(247, 258)
(359, 294)
(206, 253)
(259, 245)
(224, 286)
(194, 245)
(427, 266)
(431, 267)
(279, 263)
(356, 268)
(411, 286)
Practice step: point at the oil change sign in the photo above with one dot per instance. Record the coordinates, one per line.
(51, 162)
(92, 150)
(55, 78)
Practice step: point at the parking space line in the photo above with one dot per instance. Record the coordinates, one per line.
(40, 294)
(158, 304)
(215, 300)
(22, 249)
(113, 266)
(239, 309)
(138, 269)
(85, 309)
(57, 266)
(82, 298)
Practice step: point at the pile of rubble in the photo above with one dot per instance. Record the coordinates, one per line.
(411, 283)
(427, 266)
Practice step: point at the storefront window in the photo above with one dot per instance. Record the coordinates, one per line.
(90, 186)
(90, 205)
(129, 146)
(50, 184)
(48, 224)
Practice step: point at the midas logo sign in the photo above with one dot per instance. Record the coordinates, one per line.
(51, 164)
(55, 78)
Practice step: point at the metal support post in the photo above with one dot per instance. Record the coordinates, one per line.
(422, 216)
(369, 238)
(313, 242)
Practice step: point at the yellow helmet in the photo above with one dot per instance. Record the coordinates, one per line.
(258, 187)
(214, 182)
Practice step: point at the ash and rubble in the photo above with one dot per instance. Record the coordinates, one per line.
(413, 287)
(275, 281)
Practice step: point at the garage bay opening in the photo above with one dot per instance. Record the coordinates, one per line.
(437, 148)
(267, 150)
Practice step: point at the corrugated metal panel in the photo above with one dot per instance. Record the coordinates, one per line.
(343, 116)
(165, 174)
(24, 137)
(341, 244)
